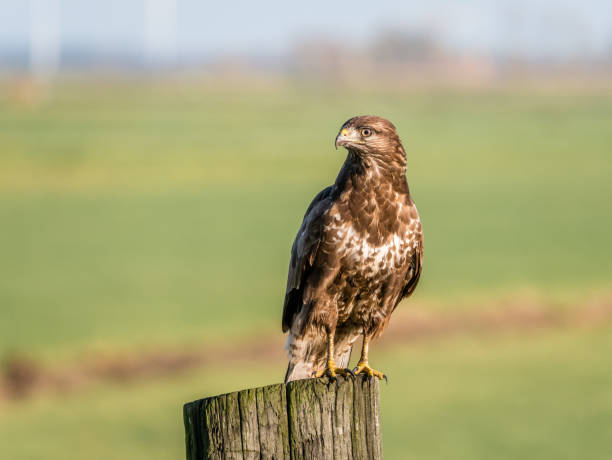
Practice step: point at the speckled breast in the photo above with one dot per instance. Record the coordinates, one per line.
(365, 267)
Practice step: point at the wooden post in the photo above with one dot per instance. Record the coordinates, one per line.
(305, 419)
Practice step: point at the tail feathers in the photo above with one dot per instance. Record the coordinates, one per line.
(299, 370)
(343, 358)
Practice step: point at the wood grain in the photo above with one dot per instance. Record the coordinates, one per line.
(305, 419)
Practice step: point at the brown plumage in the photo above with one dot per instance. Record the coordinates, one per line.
(358, 252)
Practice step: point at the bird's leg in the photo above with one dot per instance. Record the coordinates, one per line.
(362, 366)
(331, 369)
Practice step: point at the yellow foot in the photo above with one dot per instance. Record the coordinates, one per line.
(364, 368)
(331, 371)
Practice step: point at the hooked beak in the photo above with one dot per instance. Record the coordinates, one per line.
(342, 138)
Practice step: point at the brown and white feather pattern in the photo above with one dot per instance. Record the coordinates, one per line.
(357, 253)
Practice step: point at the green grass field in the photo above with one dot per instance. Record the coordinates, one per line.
(545, 396)
(163, 214)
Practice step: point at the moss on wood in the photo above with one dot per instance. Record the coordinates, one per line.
(305, 419)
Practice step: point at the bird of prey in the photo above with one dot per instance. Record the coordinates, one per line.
(358, 252)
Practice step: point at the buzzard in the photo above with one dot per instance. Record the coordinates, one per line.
(358, 252)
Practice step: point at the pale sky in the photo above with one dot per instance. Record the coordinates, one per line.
(201, 29)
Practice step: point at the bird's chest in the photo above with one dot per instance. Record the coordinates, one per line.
(363, 258)
(369, 234)
(368, 242)
(366, 270)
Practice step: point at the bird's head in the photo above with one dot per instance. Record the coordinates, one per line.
(371, 137)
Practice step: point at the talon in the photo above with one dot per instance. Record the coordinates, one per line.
(364, 368)
(349, 371)
(386, 379)
(331, 371)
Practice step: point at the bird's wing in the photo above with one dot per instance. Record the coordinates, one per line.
(414, 273)
(303, 254)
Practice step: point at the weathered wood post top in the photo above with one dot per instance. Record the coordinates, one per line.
(305, 419)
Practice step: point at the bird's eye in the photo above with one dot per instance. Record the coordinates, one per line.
(366, 132)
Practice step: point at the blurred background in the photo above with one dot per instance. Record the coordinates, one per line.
(156, 159)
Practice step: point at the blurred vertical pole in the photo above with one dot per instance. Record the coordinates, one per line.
(45, 37)
(160, 32)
